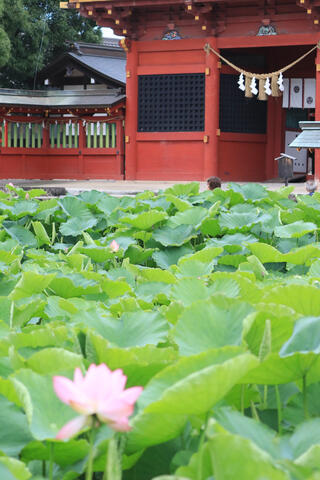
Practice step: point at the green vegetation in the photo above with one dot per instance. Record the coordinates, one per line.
(32, 33)
(212, 304)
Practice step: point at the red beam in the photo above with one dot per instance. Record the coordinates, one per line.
(269, 40)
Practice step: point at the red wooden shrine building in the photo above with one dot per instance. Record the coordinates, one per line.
(61, 134)
(73, 128)
(186, 117)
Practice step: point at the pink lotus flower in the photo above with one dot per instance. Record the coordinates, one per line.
(114, 246)
(27, 196)
(100, 392)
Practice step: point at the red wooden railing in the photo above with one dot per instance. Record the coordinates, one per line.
(64, 147)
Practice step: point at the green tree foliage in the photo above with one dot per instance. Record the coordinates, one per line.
(4, 40)
(37, 31)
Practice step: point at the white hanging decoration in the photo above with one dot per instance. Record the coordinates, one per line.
(241, 82)
(253, 87)
(267, 86)
(280, 82)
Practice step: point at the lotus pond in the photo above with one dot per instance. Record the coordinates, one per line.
(211, 304)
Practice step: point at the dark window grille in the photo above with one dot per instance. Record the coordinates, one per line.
(171, 103)
(237, 112)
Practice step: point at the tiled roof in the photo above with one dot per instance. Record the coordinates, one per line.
(309, 137)
(59, 98)
(111, 67)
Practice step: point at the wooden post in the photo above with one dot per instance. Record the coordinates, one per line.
(317, 116)
(81, 145)
(45, 135)
(120, 145)
(131, 113)
(211, 134)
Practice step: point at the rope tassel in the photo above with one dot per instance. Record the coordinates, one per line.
(248, 92)
(262, 92)
(274, 86)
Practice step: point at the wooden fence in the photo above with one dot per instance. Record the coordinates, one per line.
(62, 148)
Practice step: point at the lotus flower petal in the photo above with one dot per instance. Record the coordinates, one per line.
(100, 392)
(72, 428)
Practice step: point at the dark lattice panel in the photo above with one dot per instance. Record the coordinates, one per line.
(171, 103)
(237, 112)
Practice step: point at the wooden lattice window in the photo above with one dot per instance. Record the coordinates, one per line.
(64, 135)
(237, 112)
(22, 135)
(101, 135)
(171, 103)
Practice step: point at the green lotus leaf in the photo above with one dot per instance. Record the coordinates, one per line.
(191, 188)
(261, 435)
(31, 283)
(233, 260)
(81, 217)
(133, 329)
(23, 208)
(170, 256)
(210, 226)
(36, 391)
(225, 286)
(149, 291)
(14, 432)
(97, 253)
(193, 216)
(190, 387)
(20, 234)
(137, 254)
(13, 469)
(304, 299)
(281, 327)
(265, 253)
(302, 255)
(139, 364)
(306, 436)
(107, 204)
(180, 204)
(206, 325)
(174, 237)
(234, 456)
(64, 453)
(205, 255)
(250, 191)
(37, 336)
(238, 222)
(276, 370)
(144, 220)
(305, 337)
(189, 290)
(295, 230)
(158, 275)
(41, 234)
(54, 361)
(73, 285)
(195, 268)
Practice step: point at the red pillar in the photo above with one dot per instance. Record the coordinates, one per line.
(131, 113)
(82, 145)
(120, 145)
(211, 136)
(317, 116)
